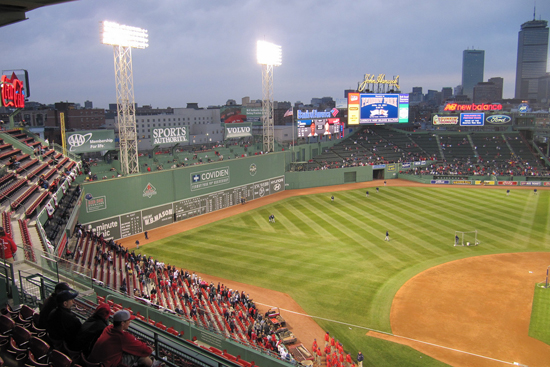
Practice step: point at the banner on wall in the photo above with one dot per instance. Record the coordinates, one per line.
(91, 141)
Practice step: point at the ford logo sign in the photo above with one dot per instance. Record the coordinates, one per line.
(498, 119)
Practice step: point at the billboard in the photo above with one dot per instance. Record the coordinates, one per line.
(444, 120)
(238, 130)
(168, 135)
(91, 141)
(472, 119)
(237, 114)
(377, 108)
(502, 119)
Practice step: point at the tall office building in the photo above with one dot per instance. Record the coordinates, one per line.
(532, 57)
(473, 63)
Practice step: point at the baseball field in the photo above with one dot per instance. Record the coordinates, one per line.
(413, 300)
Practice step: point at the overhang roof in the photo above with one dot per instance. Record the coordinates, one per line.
(13, 11)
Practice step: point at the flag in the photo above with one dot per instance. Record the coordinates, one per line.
(288, 113)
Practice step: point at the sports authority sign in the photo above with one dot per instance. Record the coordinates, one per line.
(238, 130)
(209, 178)
(91, 141)
(169, 135)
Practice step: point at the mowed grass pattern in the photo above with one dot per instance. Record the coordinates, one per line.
(331, 257)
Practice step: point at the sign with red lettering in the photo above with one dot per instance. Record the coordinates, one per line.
(13, 93)
(473, 107)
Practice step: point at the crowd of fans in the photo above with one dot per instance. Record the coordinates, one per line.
(457, 156)
(180, 292)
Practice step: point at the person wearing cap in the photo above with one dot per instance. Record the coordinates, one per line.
(117, 346)
(360, 359)
(50, 304)
(92, 328)
(63, 324)
(8, 246)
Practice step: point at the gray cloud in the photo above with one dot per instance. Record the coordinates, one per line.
(204, 51)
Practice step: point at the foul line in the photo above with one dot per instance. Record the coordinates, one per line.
(390, 334)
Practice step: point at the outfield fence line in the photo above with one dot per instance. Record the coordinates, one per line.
(394, 335)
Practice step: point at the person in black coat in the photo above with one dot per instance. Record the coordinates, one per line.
(63, 324)
(92, 328)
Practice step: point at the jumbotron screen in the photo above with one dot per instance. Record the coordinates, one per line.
(377, 108)
(320, 127)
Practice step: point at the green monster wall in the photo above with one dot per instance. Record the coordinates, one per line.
(126, 206)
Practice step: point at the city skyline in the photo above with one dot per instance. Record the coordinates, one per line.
(205, 53)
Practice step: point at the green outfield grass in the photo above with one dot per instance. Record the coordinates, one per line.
(331, 257)
(540, 319)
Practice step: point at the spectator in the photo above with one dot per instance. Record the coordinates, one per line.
(50, 304)
(117, 346)
(8, 246)
(92, 328)
(62, 323)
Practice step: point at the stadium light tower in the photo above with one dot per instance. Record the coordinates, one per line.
(123, 38)
(269, 55)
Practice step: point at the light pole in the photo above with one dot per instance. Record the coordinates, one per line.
(123, 38)
(269, 55)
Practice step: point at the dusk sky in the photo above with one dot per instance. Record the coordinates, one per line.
(205, 51)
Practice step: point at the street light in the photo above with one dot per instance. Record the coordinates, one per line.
(268, 55)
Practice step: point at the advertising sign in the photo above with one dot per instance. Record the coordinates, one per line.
(12, 91)
(230, 114)
(507, 183)
(238, 114)
(253, 114)
(109, 228)
(213, 177)
(498, 120)
(440, 182)
(91, 141)
(472, 119)
(168, 135)
(531, 183)
(444, 120)
(157, 217)
(378, 108)
(462, 182)
(473, 107)
(238, 130)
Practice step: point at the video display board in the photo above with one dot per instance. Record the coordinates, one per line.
(319, 127)
(377, 108)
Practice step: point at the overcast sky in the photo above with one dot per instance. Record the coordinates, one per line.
(204, 51)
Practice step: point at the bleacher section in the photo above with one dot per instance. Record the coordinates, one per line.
(467, 152)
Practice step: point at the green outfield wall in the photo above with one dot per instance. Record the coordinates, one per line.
(122, 207)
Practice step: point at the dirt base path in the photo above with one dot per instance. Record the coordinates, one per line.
(480, 305)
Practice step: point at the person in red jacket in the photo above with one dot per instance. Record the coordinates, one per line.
(117, 346)
(8, 246)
